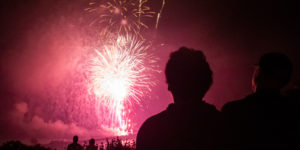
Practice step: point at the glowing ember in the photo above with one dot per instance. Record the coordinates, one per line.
(119, 76)
(123, 21)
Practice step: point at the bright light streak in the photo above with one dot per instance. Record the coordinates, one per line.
(120, 74)
(159, 13)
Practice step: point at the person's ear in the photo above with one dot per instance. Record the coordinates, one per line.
(255, 78)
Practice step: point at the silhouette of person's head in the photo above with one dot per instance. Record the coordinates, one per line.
(188, 75)
(272, 73)
(92, 141)
(75, 139)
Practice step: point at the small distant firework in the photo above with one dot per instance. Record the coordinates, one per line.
(120, 16)
(120, 74)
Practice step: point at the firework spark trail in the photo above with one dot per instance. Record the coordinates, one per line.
(140, 9)
(159, 13)
(120, 16)
(119, 77)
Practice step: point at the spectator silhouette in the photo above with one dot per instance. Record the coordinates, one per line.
(101, 146)
(91, 145)
(75, 145)
(262, 120)
(189, 123)
(293, 96)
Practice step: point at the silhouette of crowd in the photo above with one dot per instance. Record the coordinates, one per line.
(112, 144)
(266, 119)
(263, 120)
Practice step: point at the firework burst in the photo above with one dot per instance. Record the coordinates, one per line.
(120, 74)
(120, 16)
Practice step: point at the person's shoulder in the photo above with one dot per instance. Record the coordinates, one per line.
(211, 107)
(153, 122)
(206, 109)
(236, 104)
(156, 118)
(78, 146)
(70, 146)
(231, 105)
(148, 130)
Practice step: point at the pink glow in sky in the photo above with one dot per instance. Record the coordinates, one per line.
(44, 45)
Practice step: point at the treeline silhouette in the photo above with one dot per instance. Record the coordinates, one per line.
(112, 144)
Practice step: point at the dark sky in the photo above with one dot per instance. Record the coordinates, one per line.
(234, 34)
(41, 44)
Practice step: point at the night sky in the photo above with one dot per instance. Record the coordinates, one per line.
(42, 44)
